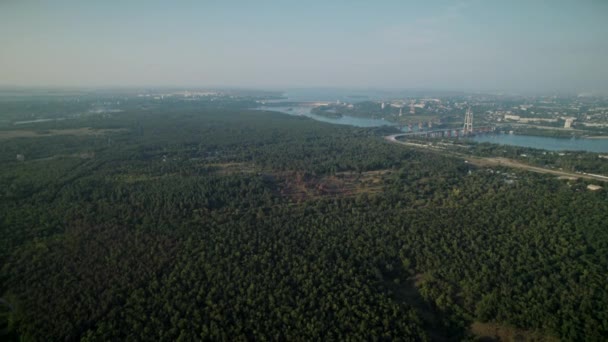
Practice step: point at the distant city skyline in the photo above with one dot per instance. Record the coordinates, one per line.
(519, 46)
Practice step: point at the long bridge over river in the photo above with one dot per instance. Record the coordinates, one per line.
(447, 132)
(466, 130)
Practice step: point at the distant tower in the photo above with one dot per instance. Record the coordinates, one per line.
(468, 122)
(382, 106)
(400, 111)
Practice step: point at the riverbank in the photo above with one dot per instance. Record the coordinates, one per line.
(342, 120)
(569, 143)
(596, 137)
(496, 161)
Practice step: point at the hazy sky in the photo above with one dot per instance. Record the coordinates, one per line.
(451, 45)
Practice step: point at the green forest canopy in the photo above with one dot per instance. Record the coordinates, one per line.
(177, 227)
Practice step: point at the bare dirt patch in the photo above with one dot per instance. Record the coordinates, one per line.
(300, 186)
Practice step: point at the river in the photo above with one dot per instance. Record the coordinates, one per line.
(546, 143)
(344, 120)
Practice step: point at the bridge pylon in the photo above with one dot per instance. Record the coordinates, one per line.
(468, 123)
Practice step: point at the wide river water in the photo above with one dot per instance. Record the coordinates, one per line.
(546, 143)
(344, 120)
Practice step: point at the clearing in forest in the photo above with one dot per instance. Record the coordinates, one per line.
(300, 186)
(51, 132)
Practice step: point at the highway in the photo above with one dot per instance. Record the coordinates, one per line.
(495, 161)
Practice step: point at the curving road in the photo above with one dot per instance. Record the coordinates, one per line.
(497, 161)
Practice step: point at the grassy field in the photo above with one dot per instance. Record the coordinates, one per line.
(51, 132)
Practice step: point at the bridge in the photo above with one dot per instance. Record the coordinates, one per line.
(466, 130)
(448, 132)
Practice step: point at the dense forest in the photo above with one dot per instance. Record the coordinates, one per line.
(221, 223)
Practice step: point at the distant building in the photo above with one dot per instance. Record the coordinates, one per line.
(593, 187)
(20, 157)
(512, 117)
(568, 123)
(382, 106)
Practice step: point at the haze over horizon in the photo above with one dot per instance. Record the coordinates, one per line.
(464, 45)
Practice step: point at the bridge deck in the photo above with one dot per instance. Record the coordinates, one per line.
(455, 132)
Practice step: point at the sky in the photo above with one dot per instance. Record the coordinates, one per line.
(476, 45)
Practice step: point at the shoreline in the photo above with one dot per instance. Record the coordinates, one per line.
(596, 137)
